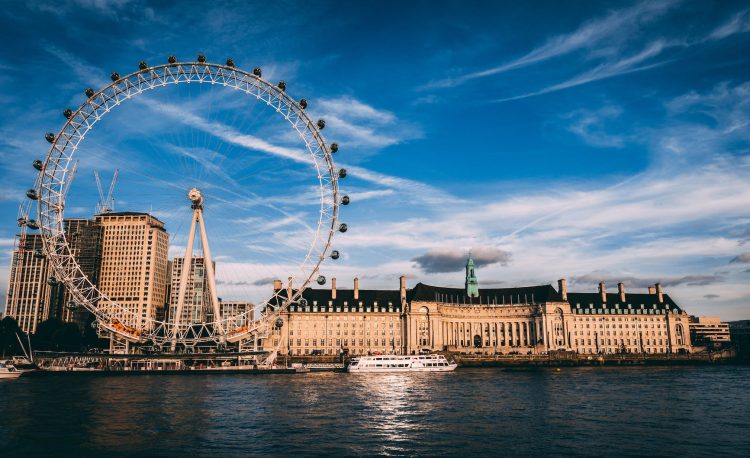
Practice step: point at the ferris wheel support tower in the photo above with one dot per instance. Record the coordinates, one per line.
(197, 205)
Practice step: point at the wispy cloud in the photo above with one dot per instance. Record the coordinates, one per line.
(640, 282)
(356, 124)
(741, 258)
(739, 23)
(590, 126)
(600, 33)
(606, 70)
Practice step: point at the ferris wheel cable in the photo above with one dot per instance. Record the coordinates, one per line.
(249, 121)
(180, 142)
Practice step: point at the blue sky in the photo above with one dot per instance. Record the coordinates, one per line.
(589, 140)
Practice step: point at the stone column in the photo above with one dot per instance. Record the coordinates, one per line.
(528, 334)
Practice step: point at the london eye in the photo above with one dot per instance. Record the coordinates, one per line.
(57, 169)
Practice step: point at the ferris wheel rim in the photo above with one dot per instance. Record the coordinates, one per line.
(53, 237)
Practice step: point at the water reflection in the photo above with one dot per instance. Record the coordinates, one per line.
(395, 405)
(652, 411)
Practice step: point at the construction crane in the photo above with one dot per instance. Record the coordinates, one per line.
(69, 181)
(106, 204)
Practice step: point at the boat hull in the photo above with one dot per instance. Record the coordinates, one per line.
(371, 370)
(401, 363)
(10, 375)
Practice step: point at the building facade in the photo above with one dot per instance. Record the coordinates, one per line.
(237, 312)
(84, 238)
(328, 322)
(133, 275)
(539, 319)
(709, 332)
(526, 320)
(30, 286)
(197, 301)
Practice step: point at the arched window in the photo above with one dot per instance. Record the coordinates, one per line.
(558, 330)
(423, 327)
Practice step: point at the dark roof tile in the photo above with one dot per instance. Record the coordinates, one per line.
(507, 296)
(634, 299)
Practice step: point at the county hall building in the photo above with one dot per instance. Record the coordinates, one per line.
(524, 320)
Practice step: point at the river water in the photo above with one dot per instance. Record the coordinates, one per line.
(664, 411)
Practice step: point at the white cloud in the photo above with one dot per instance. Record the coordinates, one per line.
(349, 107)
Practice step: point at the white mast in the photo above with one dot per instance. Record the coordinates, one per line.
(197, 205)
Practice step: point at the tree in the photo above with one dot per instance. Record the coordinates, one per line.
(53, 334)
(42, 338)
(90, 338)
(67, 338)
(8, 340)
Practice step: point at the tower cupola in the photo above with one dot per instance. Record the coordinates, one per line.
(472, 284)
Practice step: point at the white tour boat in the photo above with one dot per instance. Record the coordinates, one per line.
(7, 371)
(398, 363)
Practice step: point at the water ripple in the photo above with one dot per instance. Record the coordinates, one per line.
(484, 412)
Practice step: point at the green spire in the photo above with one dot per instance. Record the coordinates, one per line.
(472, 284)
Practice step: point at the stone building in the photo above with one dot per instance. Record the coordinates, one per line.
(524, 320)
(326, 322)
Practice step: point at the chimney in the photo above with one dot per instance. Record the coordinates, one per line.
(333, 288)
(603, 292)
(651, 290)
(356, 288)
(402, 287)
(562, 288)
(621, 290)
(277, 285)
(289, 289)
(659, 292)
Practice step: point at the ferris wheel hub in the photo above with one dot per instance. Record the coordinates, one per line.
(195, 195)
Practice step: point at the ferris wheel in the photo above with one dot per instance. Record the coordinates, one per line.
(56, 173)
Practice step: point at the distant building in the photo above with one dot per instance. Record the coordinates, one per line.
(197, 302)
(740, 332)
(35, 294)
(524, 320)
(84, 238)
(31, 286)
(133, 273)
(235, 310)
(709, 332)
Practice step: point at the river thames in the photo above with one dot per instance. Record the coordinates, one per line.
(663, 411)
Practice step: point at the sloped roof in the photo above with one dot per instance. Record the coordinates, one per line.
(507, 296)
(368, 297)
(649, 301)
